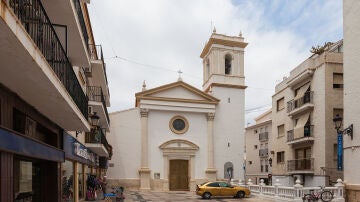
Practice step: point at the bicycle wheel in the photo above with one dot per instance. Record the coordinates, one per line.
(326, 196)
(308, 198)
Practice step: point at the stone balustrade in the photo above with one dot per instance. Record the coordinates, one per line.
(295, 193)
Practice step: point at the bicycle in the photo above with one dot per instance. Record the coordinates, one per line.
(324, 195)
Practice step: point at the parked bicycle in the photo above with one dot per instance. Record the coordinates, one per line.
(324, 195)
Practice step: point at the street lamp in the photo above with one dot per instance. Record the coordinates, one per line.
(338, 123)
(94, 120)
(349, 131)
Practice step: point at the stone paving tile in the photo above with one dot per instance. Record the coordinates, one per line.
(152, 196)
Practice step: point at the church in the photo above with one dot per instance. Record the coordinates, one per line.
(178, 136)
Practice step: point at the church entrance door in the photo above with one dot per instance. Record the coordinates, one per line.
(179, 176)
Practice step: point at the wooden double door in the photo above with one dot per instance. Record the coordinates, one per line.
(179, 175)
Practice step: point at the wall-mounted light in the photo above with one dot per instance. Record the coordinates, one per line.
(338, 123)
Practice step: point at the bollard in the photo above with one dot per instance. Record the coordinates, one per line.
(340, 190)
(298, 191)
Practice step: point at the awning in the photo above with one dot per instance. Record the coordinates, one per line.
(299, 128)
(15, 143)
(301, 91)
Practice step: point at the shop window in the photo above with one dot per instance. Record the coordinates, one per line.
(280, 104)
(280, 157)
(26, 181)
(338, 81)
(80, 173)
(67, 181)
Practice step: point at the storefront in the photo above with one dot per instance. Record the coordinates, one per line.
(28, 168)
(80, 163)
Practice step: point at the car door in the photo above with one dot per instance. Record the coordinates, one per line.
(226, 189)
(213, 188)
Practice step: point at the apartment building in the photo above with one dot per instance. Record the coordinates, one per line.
(351, 13)
(304, 141)
(258, 157)
(52, 81)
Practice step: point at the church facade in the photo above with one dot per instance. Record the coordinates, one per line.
(177, 135)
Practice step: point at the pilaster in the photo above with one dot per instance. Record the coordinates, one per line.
(144, 171)
(210, 171)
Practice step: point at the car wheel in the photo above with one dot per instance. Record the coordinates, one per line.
(206, 195)
(240, 194)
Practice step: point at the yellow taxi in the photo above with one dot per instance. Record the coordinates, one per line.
(209, 189)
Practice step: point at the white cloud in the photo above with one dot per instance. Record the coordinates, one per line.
(171, 35)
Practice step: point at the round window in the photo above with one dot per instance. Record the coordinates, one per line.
(178, 125)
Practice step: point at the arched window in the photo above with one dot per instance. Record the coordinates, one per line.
(208, 68)
(228, 170)
(228, 61)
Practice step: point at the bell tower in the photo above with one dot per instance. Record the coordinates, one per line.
(223, 60)
(223, 77)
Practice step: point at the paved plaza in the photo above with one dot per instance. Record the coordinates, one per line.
(141, 196)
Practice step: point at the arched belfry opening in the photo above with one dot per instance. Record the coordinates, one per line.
(228, 63)
(207, 63)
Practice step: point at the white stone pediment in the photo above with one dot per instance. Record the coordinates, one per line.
(176, 92)
(178, 144)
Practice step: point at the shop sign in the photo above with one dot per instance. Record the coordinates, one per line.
(84, 153)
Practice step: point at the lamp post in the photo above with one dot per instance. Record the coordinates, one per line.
(349, 131)
(270, 174)
(94, 120)
(338, 123)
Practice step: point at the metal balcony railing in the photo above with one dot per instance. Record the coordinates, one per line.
(98, 137)
(263, 152)
(294, 104)
(96, 53)
(81, 21)
(264, 136)
(306, 164)
(33, 17)
(95, 93)
(308, 132)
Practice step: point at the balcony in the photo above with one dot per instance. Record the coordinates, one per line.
(69, 14)
(299, 166)
(97, 142)
(98, 70)
(264, 136)
(263, 152)
(302, 104)
(35, 65)
(97, 101)
(307, 135)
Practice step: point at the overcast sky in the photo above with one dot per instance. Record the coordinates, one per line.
(152, 40)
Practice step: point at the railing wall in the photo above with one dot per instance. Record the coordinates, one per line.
(294, 104)
(95, 93)
(308, 132)
(294, 193)
(36, 22)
